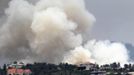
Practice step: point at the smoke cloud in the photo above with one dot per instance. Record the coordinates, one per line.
(78, 56)
(100, 52)
(52, 31)
(108, 52)
(44, 31)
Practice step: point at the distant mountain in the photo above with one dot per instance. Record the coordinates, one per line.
(130, 48)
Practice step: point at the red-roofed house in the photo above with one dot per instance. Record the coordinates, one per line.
(15, 71)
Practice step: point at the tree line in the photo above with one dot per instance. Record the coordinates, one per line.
(68, 69)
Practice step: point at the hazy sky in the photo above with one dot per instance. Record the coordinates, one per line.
(115, 19)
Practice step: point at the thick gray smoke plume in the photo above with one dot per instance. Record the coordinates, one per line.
(44, 31)
(49, 30)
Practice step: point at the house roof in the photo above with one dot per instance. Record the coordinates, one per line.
(13, 70)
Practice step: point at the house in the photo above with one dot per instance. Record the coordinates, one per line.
(88, 66)
(16, 69)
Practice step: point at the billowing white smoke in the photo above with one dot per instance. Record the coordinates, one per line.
(53, 33)
(101, 52)
(44, 31)
(107, 52)
(78, 56)
(49, 30)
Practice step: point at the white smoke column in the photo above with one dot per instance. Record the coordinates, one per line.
(53, 34)
(50, 29)
(44, 31)
(106, 52)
